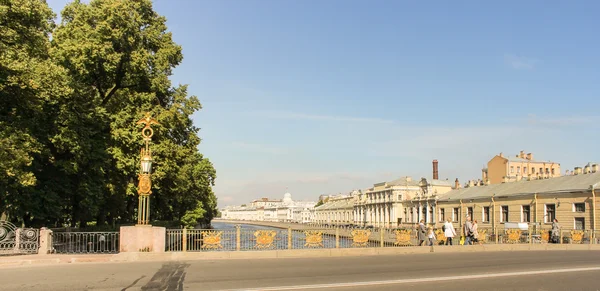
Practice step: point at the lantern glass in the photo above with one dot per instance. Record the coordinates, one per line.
(146, 164)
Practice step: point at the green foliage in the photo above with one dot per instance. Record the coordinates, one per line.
(69, 143)
(193, 217)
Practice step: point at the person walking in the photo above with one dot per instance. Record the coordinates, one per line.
(468, 231)
(555, 231)
(475, 233)
(422, 232)
(430, 235)
(449, 231)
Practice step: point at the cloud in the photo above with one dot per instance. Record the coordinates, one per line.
(258, 148)
(520, 63)
(533, 119)
(227, 199)
(313, 117)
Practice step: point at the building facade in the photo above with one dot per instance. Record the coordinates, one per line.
(390, 204)
(571, 199)
(502, 169)
(338, 210)
(265, 209)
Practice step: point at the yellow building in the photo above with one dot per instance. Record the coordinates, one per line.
(570, 199)
(502, 169)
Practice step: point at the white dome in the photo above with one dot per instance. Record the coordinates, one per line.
(287, 198)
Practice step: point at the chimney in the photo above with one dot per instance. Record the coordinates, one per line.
(522, 154)
(456, 184)
(435, 169)
(471, 184)
(501, 155)
(577, 170)
(594, 168)
(530, 156)
(586, 169)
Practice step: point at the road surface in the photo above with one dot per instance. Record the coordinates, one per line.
(531, 270)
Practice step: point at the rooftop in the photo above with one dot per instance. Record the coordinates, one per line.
(581, 182)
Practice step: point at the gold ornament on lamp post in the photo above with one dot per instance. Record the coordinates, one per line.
(145, 183)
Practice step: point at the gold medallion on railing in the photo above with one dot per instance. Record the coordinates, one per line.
(513, 236)
(576, 236)
(360, 237)
(314, 238)
(403, 237)
(211, 239)
(545, 236)
(264, 238)
(440, 236)
(481, 237)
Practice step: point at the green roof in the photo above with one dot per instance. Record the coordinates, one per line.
(575, 183)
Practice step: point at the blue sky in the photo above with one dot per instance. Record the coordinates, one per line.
(328, 96)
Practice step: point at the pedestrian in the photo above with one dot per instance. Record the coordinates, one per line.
(430, 235)
(449, 231)
(475, 233)
(422, 232)
(468, 231)
(555, 231)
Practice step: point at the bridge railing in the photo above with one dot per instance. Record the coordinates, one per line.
(309, 237)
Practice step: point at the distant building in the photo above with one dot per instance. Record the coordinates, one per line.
(338, 210)
(265, 209)
(503, 169)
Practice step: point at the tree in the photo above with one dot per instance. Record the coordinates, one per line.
(68, 108)
(121, 56)
(29, 84)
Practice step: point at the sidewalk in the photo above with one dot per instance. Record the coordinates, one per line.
(53, 259)
(30, 260)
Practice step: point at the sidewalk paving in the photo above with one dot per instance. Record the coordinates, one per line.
(55, 259)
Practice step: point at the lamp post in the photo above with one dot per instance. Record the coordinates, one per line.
(145, 184)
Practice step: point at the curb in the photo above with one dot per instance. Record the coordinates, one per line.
(280, 254)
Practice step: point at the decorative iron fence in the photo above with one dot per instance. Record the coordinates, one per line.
(85, 242)
(15, 240)
(240, 239)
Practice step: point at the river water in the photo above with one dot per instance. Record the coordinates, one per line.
(248, 238)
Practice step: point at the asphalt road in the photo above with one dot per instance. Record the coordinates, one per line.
(543, 270)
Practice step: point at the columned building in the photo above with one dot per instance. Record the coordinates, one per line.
(336, 211)
(381, 205)
(394, 203)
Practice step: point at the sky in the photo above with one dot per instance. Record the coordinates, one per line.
(319, 97)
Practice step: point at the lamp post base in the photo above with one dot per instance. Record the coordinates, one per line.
(142, 238)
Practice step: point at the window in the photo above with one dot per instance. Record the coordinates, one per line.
(442, 214)
(579, 207)
(512, 169)
(579, 223)
(504, 217)
(525, 170)
(525, 213)
(533, 170)
(486, 214)
(547, 171)
(550, 213)
(430, 215)
(399, 197)
(470, 212)
(541, 171)
(518, 170)
(552, 171)
(455, 214)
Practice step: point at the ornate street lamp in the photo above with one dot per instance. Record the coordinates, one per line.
(145, 184)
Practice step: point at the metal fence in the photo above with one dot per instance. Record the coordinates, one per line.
(85, 242)
(240, 239)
